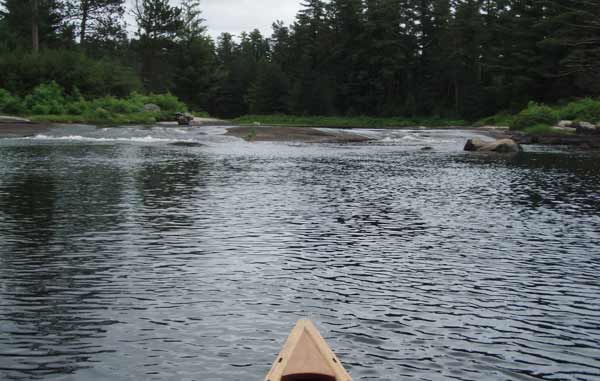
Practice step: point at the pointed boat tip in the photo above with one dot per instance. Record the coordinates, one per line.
(307, 357)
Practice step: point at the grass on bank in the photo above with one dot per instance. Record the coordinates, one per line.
(538, 119)
(345, 122)
(48, 103)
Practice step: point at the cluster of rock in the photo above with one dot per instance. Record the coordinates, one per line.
(581, 128)
(499, 146)
(184, 118)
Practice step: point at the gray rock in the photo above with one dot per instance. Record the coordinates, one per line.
(151, 107)
(566, 123)
(499, 146)
(184, 119)
(564, 129)
(13, 119)
(586, 128)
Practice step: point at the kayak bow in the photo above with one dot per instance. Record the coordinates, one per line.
(307, 357)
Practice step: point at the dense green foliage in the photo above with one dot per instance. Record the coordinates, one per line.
(380, 58)
(535, 116)
(49, 102)
(72, 70)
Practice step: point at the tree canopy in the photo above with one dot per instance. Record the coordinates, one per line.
(454, 58)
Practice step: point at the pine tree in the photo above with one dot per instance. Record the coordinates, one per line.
(34, 23)
(98, 20)
(159, 25)
(269, 93)
(574, 30)
(195, 62)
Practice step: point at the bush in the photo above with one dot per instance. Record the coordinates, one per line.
(22, 72)
(534, 114)
(166, 102)
(10, 104)
(501, 119)
(584, 110)
(46, 99)
(47, 102)
(118, 106)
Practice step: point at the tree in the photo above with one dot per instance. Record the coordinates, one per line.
(159, 25)
(269, 93)
(97, 20)
(196, 62)
(193, 24)
(36, 21)
(574, 33)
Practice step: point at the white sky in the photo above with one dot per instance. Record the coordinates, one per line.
(236, 16)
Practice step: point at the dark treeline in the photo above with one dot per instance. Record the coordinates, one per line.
(460, 58)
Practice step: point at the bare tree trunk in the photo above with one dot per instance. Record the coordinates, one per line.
(85, 9)
(35, 29)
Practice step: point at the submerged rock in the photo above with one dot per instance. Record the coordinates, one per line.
(500, 146)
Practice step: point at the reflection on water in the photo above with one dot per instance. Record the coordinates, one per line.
(125, 257)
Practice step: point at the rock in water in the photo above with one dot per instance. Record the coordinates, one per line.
(184, 119)
(500, 146)
(151, 107)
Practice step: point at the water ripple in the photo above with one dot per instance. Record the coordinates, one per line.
(125, 257)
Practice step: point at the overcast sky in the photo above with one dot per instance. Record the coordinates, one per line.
(236, 16)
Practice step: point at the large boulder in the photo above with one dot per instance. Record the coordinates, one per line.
(151, 107)
(500, 146)
(184, 119)
(586, 128)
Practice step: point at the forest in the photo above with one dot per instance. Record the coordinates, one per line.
(380, 58)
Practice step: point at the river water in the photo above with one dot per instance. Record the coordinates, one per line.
(182, 254)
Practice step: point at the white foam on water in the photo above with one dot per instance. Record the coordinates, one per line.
(79, 138)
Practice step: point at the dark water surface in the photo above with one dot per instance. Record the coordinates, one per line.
(124, 256)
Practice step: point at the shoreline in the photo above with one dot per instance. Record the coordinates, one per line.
(21, 128)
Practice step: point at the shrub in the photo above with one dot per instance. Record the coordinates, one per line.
(166, 102)
(22, 72)
(118, 106)
(585, 110)
(77, 108)
(46, 99)
(10, 104)
(534, 114)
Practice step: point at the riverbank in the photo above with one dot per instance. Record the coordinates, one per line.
(13, 127)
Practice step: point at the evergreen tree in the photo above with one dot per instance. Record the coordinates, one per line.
(34, 23)
(574, 33)
(269, 93)
(195, 62)
(159, 25)
(98, 20)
